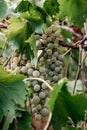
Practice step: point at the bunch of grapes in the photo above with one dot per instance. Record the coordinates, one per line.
(49, 69)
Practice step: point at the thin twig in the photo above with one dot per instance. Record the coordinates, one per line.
(48, 122)
(39, 79)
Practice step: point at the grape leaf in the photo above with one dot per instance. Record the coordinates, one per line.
(64, 105)
(24, 122)
(12, 95)
(76, 11)
(23, 6)
(51, 6)
(18, 31)
(3, 9)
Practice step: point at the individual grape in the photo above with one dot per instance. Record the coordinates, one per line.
(24, 69)
(57, 69)
(50, 73)
(49, 39)
(38, 116)
(44, 36)
(49, 61)
(38, 44)
(48, 31)
(60, 76)
(55, 78)
(34, 82)
(54, 59)
(42, 95)
(44, 112)
(42, 69)
(36, 73)
(37, 37)
(42, 77)
(28, 65)
(55, 45)
(36, 99)
(36, 88)
(52, 66)
(16, 53)
(48, 81)
(39, 107)
(55, 54)
(57, 63)
(60, 57)
(30, 72)
(44, 86)
(46, 91)
(22, 62)
(49, 52)
(50, 45)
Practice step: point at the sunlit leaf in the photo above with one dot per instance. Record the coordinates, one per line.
(3, 9)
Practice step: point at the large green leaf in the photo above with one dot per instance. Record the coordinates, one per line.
(76, 11)
(18, 31)
(12, 95)
(3, 9)
(64, 105)
(51, 6)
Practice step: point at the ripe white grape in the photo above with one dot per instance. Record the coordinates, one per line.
(36, 87)
(38, 107)
(44, 112)
(57, 69)
(36, 73)
(36, 99)
(24, 69)
(56, 54)
(49, 52)
(50, 45)
(16, 60)
(34, 82)
(42, 95)
(48, 31)
(44, 86)
(44, 36)
(42, 69)
(55, 78)
(28, 65)
(30, 71)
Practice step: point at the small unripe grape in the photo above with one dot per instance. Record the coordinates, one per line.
(39, 107)
(49, 61)
(54, 59)
(28, 65)
(22, 62)
(42, 69)
(49, 39)
(50, 73)
(60, 57)
(36, 99)
(24, 69)
(50, 45)
(42, 95)
(30, 71)
(44, 86)
(57, 69)
(16, 53)
(52, 66)
(55, 78)
(55, 45)
(36, 88)
(48, 31)
(34, 82)
(44, 112)
(38, 116)
(44, 36)
(49, 52)
(55, 54)
(57, 63)
(37, 37)
(36, 73)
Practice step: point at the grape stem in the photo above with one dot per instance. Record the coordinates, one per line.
(48, 122)
(39, 79)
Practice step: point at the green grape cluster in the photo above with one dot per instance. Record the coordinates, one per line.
(49, 69)
(52, 58)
